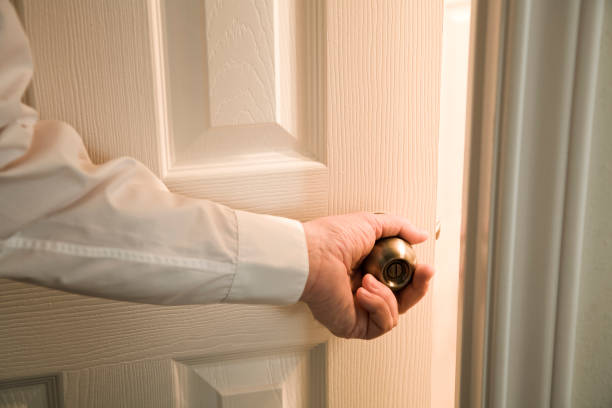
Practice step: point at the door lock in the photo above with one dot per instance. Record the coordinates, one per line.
(392, 261)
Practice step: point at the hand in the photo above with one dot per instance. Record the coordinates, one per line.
(347, 304)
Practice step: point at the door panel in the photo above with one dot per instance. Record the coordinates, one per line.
(35, 392)
(251, 116)
(296, 108)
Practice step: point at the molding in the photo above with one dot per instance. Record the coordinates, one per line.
(27, 391)
(294, 187)
(293, 377)
(158, 45)
(281, 161)
(484, 81)
(532, 82)
(180, 39)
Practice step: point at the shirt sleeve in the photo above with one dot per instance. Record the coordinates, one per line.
(114, 230)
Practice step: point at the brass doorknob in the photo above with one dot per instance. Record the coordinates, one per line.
(392, 261)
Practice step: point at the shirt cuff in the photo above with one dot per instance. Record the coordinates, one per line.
(272, 263)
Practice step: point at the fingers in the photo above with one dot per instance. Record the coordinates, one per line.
(380, 320)
(394, 225)
(380, 304)
(361, 322)
(377, 288)
(409, 296)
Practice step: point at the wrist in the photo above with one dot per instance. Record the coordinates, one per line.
(313, 263)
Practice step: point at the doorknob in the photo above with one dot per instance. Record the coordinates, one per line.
(392, 261)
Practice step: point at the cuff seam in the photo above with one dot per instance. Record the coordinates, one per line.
(236, 260)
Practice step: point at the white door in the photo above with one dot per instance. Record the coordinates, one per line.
(299, 108)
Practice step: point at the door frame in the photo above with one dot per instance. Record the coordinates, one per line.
(532, 82)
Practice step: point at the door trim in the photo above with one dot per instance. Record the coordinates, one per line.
(46, 388)
(533, 69)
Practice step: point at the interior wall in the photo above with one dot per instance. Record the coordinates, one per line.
(593, 358)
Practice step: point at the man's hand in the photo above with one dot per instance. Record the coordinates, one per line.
(347, 304)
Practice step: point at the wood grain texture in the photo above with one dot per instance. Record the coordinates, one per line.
(291, 379)
(210, 55)
(105, 80)
(100, 79)
(241, 58)
(284, 379)
(45, 330)
(145, 384)
(241, 77)
(33, 392)
(383, 65)
(31, 396)
(293, 188)
(99, 69)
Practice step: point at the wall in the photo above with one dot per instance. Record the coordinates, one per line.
(593, 358)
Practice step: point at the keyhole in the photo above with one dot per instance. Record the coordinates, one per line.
(396, 271)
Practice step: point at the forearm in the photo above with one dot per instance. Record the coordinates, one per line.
(115, 230)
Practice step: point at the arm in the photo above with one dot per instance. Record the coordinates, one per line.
(114, 230)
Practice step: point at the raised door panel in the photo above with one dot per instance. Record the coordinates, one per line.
(287, 379)
(242, 102)
(35, 392)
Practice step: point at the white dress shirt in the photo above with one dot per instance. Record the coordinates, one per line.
(114, 230)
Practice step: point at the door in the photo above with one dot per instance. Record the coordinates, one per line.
(295, 108)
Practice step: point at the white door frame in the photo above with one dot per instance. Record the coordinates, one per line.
(533, 69)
